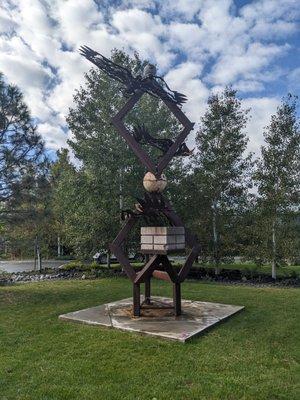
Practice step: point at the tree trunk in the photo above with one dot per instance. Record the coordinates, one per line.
(58, 246)
(108, 259)
(39, 259)
(215, 238)
(274, 244)
(35, 253)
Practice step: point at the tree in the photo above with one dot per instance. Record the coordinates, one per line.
(23, 171)
(221, 172)
(21, 147)
(109, 175)
(278, 180)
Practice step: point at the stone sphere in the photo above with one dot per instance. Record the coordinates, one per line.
(153, 184)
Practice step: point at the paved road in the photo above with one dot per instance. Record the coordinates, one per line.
(28, 265)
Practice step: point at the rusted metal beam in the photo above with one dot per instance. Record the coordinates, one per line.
(177, 298)
(188, 263)
(136, 300)
(169, 268)
(123, 260)
(161, 275)
(146, 272)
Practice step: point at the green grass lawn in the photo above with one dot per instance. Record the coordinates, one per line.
(253, 355)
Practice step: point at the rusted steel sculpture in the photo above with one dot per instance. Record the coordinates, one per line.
(148, 82)
(153, 206)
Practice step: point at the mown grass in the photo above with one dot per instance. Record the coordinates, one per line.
(254, 355)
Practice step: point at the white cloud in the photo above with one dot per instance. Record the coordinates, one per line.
(186, 36)
(6, 23)
(185, 79)
(184, 9)
(261, 110)
(201, 45)
(144, 33)
(54, 136)
(294, 80)
(248, 86)
(232, 66)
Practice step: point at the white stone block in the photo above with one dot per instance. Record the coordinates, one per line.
(164, 239)
(160, 247)
(180, 238)
(146, 247)
(147, 239)
(148, 230)
(162, 230)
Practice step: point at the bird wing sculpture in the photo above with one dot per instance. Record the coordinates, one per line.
(151, 84)
(113, 70)
(150, 208)
(142, 135)
(164, 91)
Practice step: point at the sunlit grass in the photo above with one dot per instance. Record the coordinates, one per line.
(251, 356)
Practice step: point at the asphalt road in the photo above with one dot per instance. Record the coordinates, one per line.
(28, 265)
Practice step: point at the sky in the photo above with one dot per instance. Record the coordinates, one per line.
(200, 46)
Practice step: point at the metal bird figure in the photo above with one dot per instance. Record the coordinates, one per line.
(141, 135)
(150, 208)
(148, 82)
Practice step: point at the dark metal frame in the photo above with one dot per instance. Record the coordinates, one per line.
(157, 170)
(158, 265)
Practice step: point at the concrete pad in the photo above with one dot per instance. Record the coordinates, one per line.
(157, 320)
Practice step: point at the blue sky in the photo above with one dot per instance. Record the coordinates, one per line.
(199, 45)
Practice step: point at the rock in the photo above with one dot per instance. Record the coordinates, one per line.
(83, 276)
(153, 184)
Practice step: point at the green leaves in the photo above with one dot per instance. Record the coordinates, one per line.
(278, 180)
(221, 173)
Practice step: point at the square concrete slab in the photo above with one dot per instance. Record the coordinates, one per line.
(156, 319)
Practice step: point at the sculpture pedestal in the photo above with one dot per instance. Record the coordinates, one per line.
(159, 320)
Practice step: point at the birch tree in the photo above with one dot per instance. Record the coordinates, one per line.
(278, 180)
(222, 171)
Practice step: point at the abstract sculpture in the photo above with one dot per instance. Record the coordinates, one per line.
(157, 241)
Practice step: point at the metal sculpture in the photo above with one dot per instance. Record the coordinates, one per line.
(142, 135)
(147, 82)
(153, 206)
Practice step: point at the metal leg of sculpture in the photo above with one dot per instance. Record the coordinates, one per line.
(177, 298)
(136, 300)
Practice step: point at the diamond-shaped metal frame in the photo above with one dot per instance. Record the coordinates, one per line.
(144, 158)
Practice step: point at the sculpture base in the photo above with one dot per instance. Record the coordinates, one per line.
(158, 319)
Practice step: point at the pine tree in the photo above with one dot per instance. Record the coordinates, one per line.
(221, 172)
(278, 180)
(23, 172)
(21, 147)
